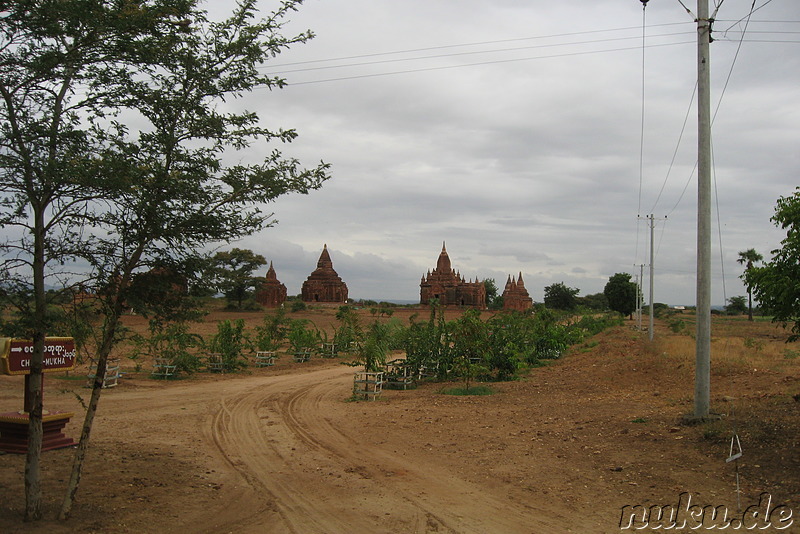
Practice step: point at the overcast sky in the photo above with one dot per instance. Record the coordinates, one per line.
(512, 131)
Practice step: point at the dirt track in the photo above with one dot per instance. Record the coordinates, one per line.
(281, 450)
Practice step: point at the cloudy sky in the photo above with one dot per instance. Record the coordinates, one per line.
(513, 132)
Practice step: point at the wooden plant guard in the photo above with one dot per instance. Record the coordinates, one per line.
(215, 363)
(164, 368)
(112, 374)
(368, 385)
(302, 355)
(265, 358)
(329, 350)
(398, 374)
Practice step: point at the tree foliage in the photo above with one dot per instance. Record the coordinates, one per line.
(736, 305)
(776, 284)
(560, 297)
(749, 258)
(79, 183)
(494, 300)
(621, 293)
(233, 273)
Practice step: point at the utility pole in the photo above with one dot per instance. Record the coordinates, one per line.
(652, 270)
(702, 383)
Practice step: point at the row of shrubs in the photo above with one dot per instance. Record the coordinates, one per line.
(467, 347)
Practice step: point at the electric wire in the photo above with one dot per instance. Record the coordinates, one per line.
(713, 164)
(675, 152)
(469, 53)
(480, 63)
(477, 43)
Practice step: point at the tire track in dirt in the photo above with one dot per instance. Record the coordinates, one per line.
(441, 499)
(287, 438)
(238, 433)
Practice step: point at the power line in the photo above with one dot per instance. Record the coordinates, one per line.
(470, 53)
(493, 62)
(477, 43)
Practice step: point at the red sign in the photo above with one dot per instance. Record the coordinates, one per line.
(59, 355)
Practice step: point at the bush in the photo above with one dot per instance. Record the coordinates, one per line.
(300, 336)
(230, 342)
(171, 341)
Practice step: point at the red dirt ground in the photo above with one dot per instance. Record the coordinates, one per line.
(562, 449)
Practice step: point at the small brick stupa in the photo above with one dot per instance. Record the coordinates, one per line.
(271, 293)
(324, 285)
(449, 287)
(515, 296)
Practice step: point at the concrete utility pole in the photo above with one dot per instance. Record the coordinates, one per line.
(652, 270)
(702, 382)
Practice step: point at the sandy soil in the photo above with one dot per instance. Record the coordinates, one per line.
(563, 449)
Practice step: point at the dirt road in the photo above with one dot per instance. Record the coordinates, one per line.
(282, 450)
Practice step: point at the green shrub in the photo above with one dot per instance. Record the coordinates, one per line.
(230, 342)
(171, 341)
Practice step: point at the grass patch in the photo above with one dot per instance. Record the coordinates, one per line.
(639, 420)
(474, 390)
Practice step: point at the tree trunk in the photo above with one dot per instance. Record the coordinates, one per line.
(33, 382)
(83, 444)
(749, 305)
(33, 397)
(113, 316)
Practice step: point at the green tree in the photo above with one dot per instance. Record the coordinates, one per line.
(621, 293)
(776, 284)
(494, 301)
(596, 301)
(749, 258)
(63, 69)
(78, 183)
(233, 272)
(736, 305)
(560, 297)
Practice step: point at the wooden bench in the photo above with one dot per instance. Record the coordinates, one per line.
(164, 367)
(265, 358)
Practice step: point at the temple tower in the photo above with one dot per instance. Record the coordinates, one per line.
(271, 293)
(324, 285)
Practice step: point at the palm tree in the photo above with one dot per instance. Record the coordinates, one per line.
(748, 258)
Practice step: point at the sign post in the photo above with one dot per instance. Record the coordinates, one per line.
(15, 359)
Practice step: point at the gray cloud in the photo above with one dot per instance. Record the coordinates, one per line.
(528, 165)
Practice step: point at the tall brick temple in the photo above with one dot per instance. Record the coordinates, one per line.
(271, 293)
(449, 287)
(324, 285)
(515, 296)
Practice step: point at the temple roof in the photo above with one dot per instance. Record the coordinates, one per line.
(443, 263)
(325, 259)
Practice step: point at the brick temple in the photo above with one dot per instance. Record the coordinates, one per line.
(449, 287)
(324, 285)
(515, 296)
(271, 293)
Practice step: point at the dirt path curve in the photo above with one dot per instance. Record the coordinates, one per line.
(292, 444)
